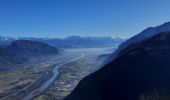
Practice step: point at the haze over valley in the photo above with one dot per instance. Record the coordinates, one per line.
(28, 63)
(84, 50)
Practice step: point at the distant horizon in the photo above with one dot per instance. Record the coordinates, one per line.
(65, 36)
(41, 35)
(62, 37)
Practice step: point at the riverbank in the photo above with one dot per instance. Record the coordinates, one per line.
(42, 87)
(70, 75)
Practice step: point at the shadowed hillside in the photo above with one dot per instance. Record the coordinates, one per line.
(141, 68)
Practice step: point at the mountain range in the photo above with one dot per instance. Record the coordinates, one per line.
(138, 70)
(6, 40)
(70, 41)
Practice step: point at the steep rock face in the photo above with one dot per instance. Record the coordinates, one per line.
(140, 68)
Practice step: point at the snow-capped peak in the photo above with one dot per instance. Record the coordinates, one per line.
(5, 38)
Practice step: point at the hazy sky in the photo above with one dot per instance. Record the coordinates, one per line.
(58, 18)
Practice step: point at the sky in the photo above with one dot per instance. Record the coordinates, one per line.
(60, 18)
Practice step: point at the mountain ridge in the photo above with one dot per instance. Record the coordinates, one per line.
(21, 51)
(70, 41)
(145, 34)
(139, 68)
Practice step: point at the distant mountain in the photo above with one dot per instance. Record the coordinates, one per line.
(74, 41)
(80, 42)
(103, 57)
(31, 48)
(20, 51)
(6, 40)
(140, 71)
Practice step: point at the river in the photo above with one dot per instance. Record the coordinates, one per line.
(46, 84)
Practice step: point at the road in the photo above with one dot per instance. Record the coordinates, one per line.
(46, 84)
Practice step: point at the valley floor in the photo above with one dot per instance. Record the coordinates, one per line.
(11, 83)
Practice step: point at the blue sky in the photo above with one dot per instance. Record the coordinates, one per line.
(60, 18)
